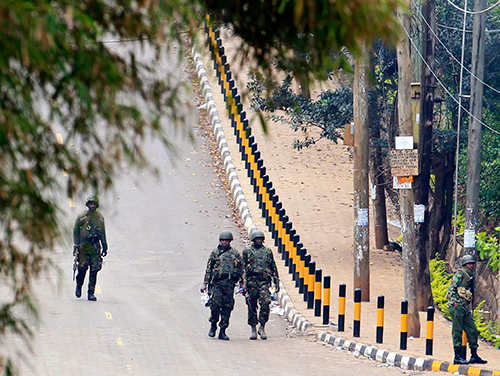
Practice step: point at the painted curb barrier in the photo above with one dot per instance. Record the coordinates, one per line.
(399, 360)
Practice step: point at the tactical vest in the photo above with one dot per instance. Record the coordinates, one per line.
(90, 231)
(227, 264)
(258, 261)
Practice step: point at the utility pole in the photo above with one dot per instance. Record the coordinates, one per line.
(405, 117)
(474, 147)
(422, 181)
(361, 243)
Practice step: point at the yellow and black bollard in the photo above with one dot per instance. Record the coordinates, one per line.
(307, 260)
(326, 299)
(342, 307)
(310, 287)
(430, 331)
(357, 313)
(380, 319)
(317, 293)
(404, 325)
(463, 350)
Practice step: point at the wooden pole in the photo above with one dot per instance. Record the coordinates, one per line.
(410, 260)
(422, 181)
(360, 177)
(474, 147)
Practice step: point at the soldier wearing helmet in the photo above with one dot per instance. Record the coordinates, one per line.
(260, 272)
(224, 270)
(459, 297)
(89, 236)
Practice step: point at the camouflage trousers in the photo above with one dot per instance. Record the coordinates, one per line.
(221, 302)
(258, 291)
(462, 320)
(89, 257)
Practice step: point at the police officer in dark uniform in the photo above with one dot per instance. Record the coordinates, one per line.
(89, 235)
(459, 297)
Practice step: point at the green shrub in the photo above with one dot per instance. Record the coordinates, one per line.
(487, 246)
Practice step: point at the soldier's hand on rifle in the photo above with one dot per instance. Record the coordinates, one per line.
(76, 248)
(104, 253)
(203, 288)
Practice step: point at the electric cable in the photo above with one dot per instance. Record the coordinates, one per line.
(453, 56)
(468, 31)
(469, 12)
(444, 87)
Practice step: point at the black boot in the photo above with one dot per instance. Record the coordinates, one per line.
(78, 291)
(458, 357)
(262, 332)
(254, 332)
(475, 359)
(92, 297)
(222, 335)
(213, 329)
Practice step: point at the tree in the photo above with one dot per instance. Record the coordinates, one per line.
(55, 73)
(272, 30)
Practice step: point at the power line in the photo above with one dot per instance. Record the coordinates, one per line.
(467, 31)
(469, 12)
(444, 87)
(451, 54)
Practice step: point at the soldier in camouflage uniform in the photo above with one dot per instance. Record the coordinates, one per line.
(224, 270)
(459, 297)
(260, 271)
(89, 234)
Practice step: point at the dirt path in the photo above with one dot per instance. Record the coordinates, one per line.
(315, 187)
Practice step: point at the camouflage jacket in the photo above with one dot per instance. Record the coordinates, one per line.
(270, 271)
(214, 265)
(89, 229)
(462, 278)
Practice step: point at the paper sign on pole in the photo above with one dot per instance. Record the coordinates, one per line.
(469, 239)
(397, 185)
(404, 142)
(419, 213)
(362, 217)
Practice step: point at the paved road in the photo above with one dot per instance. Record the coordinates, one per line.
(148, 319)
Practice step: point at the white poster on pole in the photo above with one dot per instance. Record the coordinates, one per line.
(419, 213)
(362, 217)
(469, 239)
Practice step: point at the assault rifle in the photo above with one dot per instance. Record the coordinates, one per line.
(76, 253)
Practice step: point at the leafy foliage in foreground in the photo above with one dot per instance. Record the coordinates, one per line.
(57, 76)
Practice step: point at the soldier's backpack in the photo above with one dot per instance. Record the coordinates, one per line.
(227, 263)
(258, 263)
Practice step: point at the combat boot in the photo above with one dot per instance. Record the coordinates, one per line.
(222, 335)
(91, 297)
(213, 329)
(458, 357)
(78, 291)
(262, 332)
(254, 332)
(475, 359)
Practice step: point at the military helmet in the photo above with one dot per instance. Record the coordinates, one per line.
(256, 234)
(226, 235)
(467, 259)
(92, 198)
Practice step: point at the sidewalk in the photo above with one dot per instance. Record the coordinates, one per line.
(315, 187)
